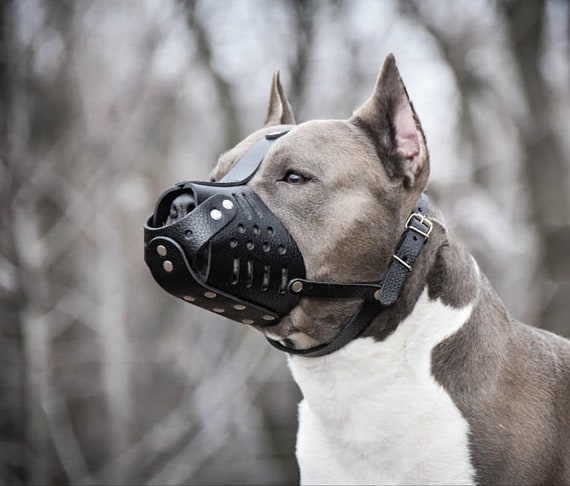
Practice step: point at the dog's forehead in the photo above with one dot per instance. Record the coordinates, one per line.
(323, 144)
(319, 135)
(320, 142)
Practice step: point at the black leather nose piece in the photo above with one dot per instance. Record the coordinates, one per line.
(180, 207)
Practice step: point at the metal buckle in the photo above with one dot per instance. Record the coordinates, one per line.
(423, 220)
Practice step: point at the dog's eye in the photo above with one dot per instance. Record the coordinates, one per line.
(293, 177)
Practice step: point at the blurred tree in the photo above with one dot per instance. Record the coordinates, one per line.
(544, 162)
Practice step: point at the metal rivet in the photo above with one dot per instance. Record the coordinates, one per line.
(227, 204)
(377, 295)
(297, 286)
(216, 214)
(247, 321)
(161, 250)
(210, 295)
(189, 298)
(267, 317)
(168, 266)
(239, 307)
(218, 310)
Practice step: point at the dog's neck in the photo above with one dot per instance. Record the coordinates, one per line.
(362, 397)
(444, 269)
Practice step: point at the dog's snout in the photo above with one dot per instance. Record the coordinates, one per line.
(180, 207)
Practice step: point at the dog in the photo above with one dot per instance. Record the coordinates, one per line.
(411, 369)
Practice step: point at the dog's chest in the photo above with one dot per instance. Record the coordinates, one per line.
(372, 412)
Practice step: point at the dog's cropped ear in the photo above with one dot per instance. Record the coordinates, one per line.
(279, 111)
(388, 117)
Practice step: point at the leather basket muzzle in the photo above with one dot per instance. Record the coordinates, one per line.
(230, 254)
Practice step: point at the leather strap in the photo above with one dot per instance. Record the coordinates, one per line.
(367, 312)
(418, 230)
(247, 166)
(387, 291)
(376, 296)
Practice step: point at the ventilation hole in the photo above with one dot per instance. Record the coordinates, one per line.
(281, 249)
(284, 280)
(249, 280)
(270, 231)
(241, 228)
(255, 229)
(266, 247)
(405, 258)
(415, 238)
(266, 277)
(249, 245)
(235, 271)
(233, 243)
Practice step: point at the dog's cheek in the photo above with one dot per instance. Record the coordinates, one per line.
(322, 319)
(301, 210)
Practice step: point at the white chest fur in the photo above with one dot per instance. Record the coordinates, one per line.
(373, 414)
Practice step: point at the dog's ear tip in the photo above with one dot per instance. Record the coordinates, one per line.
(279, 110)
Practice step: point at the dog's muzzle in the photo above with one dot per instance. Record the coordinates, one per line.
(218, 246)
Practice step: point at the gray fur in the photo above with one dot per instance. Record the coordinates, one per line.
(510, 381)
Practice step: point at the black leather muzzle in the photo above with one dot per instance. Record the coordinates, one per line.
(229, 253)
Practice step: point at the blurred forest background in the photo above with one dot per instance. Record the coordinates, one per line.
(105, 378)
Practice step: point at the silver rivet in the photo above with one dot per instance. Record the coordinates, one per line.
(215, 214)
(247, 321)
(189, 298)
(226, 203)
(168, 266)
(297, 286)
(377, 295)
(239, 307)
(218, 310)
(210, 295)
(161, 250)
(267, 317)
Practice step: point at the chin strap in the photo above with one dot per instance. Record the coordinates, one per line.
(376, 296)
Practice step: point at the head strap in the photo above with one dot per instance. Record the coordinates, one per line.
(376, 296)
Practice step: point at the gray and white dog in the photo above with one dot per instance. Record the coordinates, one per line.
(443, 386)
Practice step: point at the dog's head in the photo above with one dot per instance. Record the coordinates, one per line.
(337, 191)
